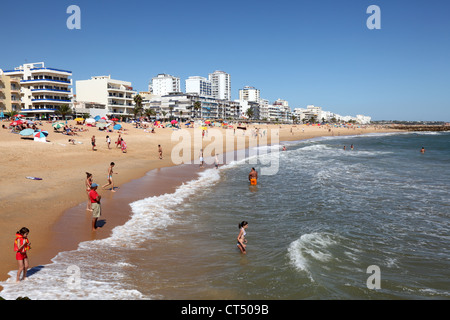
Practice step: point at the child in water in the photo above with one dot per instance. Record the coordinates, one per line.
(21, 246)
(241, 237)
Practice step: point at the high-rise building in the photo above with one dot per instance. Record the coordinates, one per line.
(117, 95)
(43, 90)
(199, 85)
(163, 84)
(220, 85)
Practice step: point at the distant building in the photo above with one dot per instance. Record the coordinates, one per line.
(43, 90)
(220, 85)
(199, 85)
(116, 95)
(164, 84)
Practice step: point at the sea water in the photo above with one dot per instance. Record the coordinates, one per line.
(317, 228)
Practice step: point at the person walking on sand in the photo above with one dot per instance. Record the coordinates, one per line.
(108, 141)
(160, 151)
(96, 207)
(88, 183)
(253, 177)
(241, 237)
(93, 143)
(201, 158)
(21, 246)
(110, 177)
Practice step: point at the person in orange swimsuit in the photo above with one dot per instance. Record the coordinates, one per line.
(253, 177)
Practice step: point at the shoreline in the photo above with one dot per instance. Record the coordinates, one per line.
(57, 220)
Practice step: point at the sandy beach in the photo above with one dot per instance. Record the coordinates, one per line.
(40, 205)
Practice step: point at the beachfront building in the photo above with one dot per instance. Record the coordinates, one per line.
(10, 96)
(284, 111)
(116, 95)
(164, 84)
(93, 109)
(316, 114)
(43, 91)
(221, 85)
(249, 94)
(199, 85)
(187, 106)
(362, 119)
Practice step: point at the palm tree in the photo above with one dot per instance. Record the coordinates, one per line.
(149, 112)
(138, 105)
(11, 114)
(164, 115)
(249, 113)
(64, 110)
(197, 106)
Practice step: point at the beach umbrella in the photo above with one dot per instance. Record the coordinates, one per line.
(40, 134)
(26, 132)
(117, 127)
(58, 125)
(101, 120)
(173, 121)
(16, 123)
(79, 119)
(102, 125)
(90, 120)
(97, 118)
(115, 119)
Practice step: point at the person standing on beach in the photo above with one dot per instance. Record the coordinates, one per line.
(93, 143)
(110, 177)
(96, 208)
(241, 237)
(201, 158)
(119, 141)
(160, 151)
(108, 141)
(21, 246)
(253, 177)
(88, 183)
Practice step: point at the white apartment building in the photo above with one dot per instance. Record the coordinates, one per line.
(250, 94)
(163, 84)
(199, 85)
(221, 85)
(117, 95)
(43, 90)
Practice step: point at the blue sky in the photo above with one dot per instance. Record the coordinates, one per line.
(307, 52)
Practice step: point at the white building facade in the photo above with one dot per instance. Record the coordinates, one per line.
(221, 85)
(116, 95)
(43, 90)
(199, 85)
(164, 84)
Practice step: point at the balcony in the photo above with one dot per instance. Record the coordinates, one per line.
(48, 99)
(50, 90)
(48, 80)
